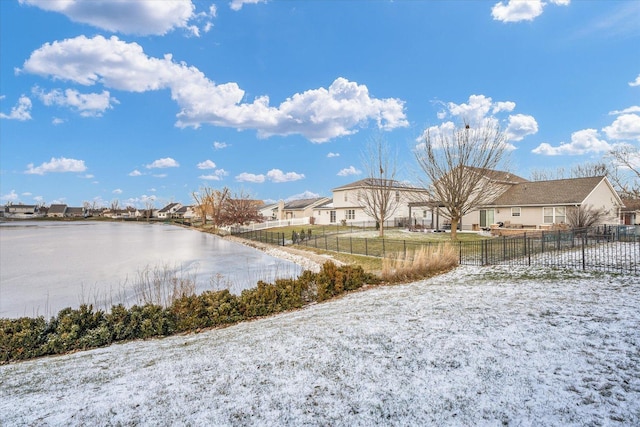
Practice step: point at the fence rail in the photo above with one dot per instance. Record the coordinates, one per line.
(609, 248)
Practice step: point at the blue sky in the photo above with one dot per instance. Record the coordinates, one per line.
(146, 101)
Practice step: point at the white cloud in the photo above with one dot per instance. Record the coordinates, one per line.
(57, 121)
(625, 127)
(276, 175)
(88, 105)
(503, 106)
(58, 165)
(22, 111)
(249, 177)
(521, 125)
(117, 191)
(317, 114)
(633, 109)
(213, 177)
(12, 196)
(480, 111)
(159, 175)
(305, 195)
(582, 142)
(219, 145)
(141, 17)
(330, 155)
(216, 176)
(351, 170)
(521, 10)
(636, 82)
(135, 172)
(237, 4)
(475, 110)
(207, 164)
(89, 176)
(166, 162)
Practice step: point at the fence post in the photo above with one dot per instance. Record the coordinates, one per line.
(337, 245)
(584, 261)
(383, 249)
(366, 246)
(504, 248)
(351, 244)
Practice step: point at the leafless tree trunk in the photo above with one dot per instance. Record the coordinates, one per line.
(378, 197)
(458, 166)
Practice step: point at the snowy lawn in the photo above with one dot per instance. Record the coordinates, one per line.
(492, 346)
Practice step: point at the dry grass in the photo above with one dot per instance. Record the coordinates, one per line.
(421, 263)
(162, 285)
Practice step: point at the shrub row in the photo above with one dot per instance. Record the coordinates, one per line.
(84, 328)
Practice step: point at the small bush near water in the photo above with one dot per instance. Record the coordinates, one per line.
(85, 328)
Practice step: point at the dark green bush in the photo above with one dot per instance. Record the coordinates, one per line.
(206, 310)
(333, 280)
(85, 328)
(21, 338)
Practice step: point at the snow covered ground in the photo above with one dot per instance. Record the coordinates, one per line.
(477, 346)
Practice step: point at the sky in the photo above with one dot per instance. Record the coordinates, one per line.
(145, 102)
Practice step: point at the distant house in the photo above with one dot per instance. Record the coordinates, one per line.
(630, 213)
(22, 211)
(57, 211)
(293, 209)
(75, 212)
(169, 210)
(187, 212)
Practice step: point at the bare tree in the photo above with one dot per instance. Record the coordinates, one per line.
(148, 207)
(210, 203)
(377, 197)
(585, 216)
(627, 158)
(458, 165)
(241, 209)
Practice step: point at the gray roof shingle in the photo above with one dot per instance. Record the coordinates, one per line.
(556, 192)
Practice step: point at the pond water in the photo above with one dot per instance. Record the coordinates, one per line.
(47, 266)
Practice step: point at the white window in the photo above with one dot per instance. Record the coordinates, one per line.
(515, 211)
(397, 196)
(350, 214)
(332, 216)
(554, 215)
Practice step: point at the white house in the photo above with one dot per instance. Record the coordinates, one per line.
(169, 210)
(348, 204)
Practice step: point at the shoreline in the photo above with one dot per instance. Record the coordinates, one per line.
(307, 260)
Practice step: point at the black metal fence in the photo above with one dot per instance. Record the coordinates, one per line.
(608, 248)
